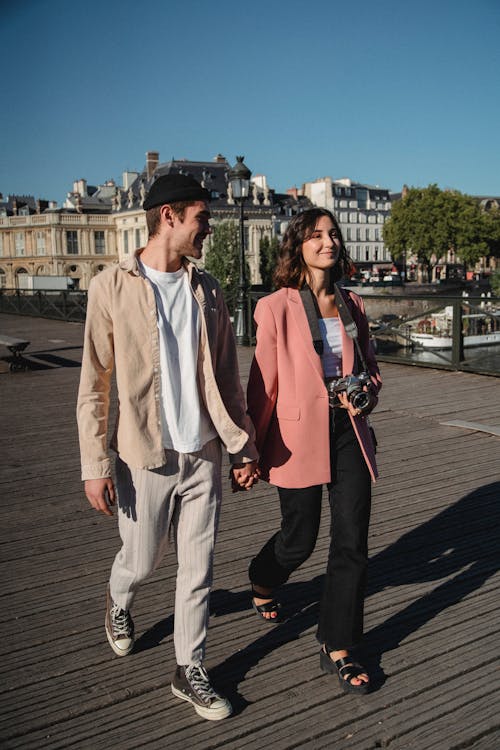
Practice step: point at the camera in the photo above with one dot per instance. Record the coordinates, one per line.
(353, 385)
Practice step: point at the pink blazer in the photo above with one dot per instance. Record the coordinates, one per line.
(287, 397)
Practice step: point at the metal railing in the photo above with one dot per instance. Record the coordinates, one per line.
(443, 332)
(452, 333)
(70, 305)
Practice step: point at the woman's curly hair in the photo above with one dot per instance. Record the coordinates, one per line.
(291, 270)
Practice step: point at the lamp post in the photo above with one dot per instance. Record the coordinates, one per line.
(239, 177)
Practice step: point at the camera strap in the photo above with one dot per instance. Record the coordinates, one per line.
(312, 312)
(349, 324)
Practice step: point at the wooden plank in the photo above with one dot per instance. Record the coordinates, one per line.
(431, 609)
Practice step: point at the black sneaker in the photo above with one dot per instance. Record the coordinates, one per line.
(192, 684)
(119, 627)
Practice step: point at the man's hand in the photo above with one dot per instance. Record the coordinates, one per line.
(244, 476)
(101, 494)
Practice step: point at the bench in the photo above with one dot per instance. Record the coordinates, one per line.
(15, 346)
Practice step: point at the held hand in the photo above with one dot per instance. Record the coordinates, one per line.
(244, 476)
(346, 404)
(101, 494)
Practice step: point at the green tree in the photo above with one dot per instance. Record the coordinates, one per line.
(429, 222)
(268, 251)
(495, 282)
(222, 260)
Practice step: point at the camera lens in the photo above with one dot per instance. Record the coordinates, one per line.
(361, 400)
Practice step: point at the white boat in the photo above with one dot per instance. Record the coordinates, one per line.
(433, 341)
(435, 331)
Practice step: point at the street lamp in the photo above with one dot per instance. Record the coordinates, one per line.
(239, 177)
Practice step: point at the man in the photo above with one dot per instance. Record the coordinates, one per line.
(162, 324)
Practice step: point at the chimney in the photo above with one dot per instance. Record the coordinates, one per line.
(152, 159)
(80, 187)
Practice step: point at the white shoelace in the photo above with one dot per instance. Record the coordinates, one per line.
(198, 678)
(121, 621)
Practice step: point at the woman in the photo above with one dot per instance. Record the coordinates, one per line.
(305, 443)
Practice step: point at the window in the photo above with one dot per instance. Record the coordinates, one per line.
(125, 242)
(72, 242)
(353, 217)
(349, 233)
(343, 218)
(40, 243)
(137, 239)
(376, 252)
(367, 253)
(362, 196)
(3, 279)
(1, 245)
(358, 234)
(343, 204)
(99, 242)
(19, 243)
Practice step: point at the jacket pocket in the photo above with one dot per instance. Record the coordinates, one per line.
(291, 413)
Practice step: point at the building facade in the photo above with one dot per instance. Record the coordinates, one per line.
(361, 211)
(98, 226)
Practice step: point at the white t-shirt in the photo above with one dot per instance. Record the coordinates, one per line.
(332, 347)
(186, 425)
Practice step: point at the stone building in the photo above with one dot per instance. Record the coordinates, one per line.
(98, 226)
(361, 211)
(39, 239)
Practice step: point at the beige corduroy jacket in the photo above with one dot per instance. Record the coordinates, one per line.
(121, 335)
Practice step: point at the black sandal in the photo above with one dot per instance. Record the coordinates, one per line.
(269, 607)
(347, 669)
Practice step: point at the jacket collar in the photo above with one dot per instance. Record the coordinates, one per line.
(131, 264)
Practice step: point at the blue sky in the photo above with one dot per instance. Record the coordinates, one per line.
(382, 92)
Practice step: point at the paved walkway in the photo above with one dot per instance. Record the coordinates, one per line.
(432, 621)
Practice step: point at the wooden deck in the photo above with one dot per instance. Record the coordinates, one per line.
(432, 620)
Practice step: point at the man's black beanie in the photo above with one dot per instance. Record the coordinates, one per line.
(172, 188)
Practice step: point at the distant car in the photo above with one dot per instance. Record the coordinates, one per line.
(393, 278)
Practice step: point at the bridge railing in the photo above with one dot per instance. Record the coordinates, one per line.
(452, 333)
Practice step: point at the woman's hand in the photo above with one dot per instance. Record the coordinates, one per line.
(346, 404)
(244, 476)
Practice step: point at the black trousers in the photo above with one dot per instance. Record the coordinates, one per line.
(340, 623)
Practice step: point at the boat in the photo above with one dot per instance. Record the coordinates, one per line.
(435, 331)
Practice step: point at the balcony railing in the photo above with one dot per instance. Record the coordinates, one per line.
(52, 219)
